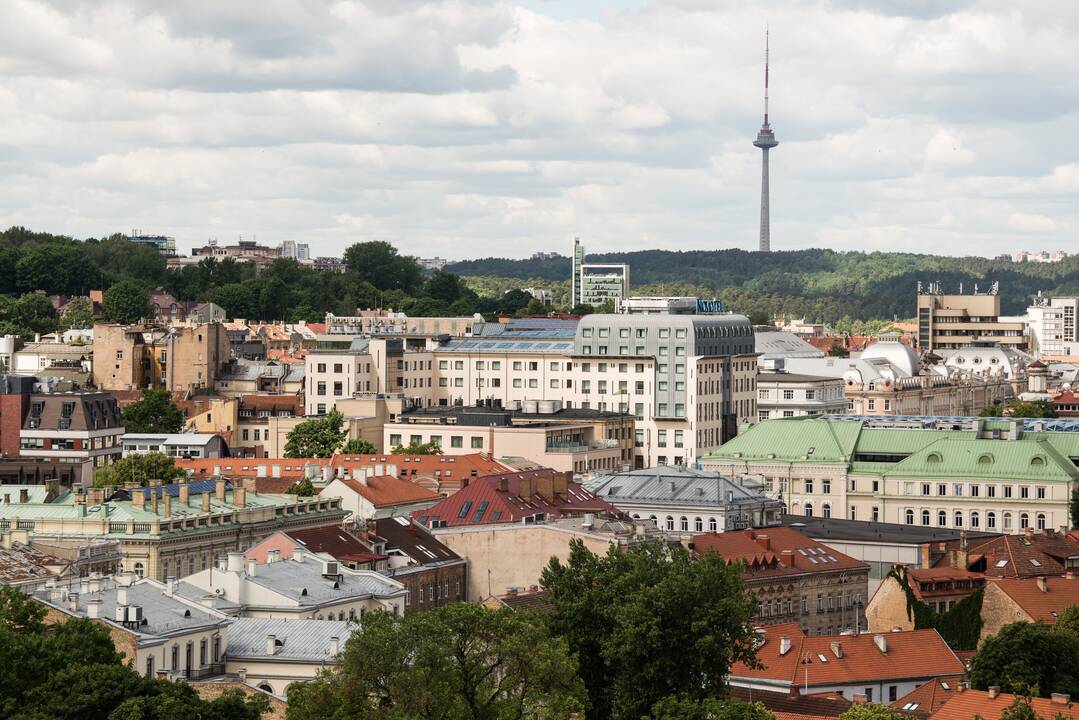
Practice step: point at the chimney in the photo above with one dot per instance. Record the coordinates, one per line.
(960, 687)
(764, 541)
(241, 674)
(784, 645)
(153, 499)
(545, 485)
(168, 501)
(121, 596)
(589, 521)
(239, 497)
(881, 642)
(297, 554)
(560, 483)
(93, 609)
(526, 486)
(170, 586)
(1069, 575)
(235, 562)
(858, 699)
(837, 649)
(138, 499)
(1060, 698)
(24, 495)
(251, 485)
(787, 558)
(219, 489)
(271, 644)
(1028, 533)
(251, 566)
(73, 602)
(335, 645)
(503, 485)
(185, 493)
(273, 556)
(994, 690)
(1043, 585)
(206, 502)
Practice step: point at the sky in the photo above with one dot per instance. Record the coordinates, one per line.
(482, 128)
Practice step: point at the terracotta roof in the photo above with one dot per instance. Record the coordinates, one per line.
(1025, 555)
(923, 581)
(23, 563)
(927, 698)
(272, 402)
(1041, 605)
(512, 497)
(776, 551)
(531, 600)
(336, 542)
(965, 705)
(387, 490)
(795, 707)
(912, 654)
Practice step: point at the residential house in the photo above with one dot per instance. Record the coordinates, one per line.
(83, 428)
(309, 586)
(877, 668)
(1039, 599)
(793, 705)
(930, 696)
(242, 377)
(272, 655)
(432, 573)
(796, 579)
(991, 705)
(343, 544)
(367, 495)
(533, 599)
(939, 588)
(176, 445)
(260, 430)
(172, 357)
(681, 499)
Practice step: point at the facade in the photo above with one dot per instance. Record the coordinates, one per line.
(163, 531)
(1052, 326)
(680, 499)
(595, 283)
(176, 445)
(939, 588)
(180, 358)
(273, 654)
(867, 668)
(80, 428)
(433, 574)
(388, 322)
(796, 579)
(306, 586)
(951, 322)
(1037, 599)
(162, 243)
(783, 394)
(948, 472)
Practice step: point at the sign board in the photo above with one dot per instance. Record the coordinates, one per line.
(709, 306)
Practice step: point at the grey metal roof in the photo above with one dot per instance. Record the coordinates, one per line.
(291, 578)
(557, 344)
(253, 371)
(676, 485)
(822, 528)
(302, 640)
(781, 344)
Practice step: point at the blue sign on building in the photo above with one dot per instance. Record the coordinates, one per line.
(709, 306)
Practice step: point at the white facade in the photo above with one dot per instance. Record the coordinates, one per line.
(781, 394)
(1052, 327)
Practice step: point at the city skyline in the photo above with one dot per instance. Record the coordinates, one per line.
(522, 125)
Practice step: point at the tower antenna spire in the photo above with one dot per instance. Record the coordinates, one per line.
(766, 140)
(766, 76)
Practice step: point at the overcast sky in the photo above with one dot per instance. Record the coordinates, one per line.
(471, 128)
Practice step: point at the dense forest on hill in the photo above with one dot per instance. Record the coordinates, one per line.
(818, 284)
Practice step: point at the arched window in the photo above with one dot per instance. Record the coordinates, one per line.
(683, 524)
(139, 569)
(809, 510)
(636, 516)
(986, 459)
(991, 520)
(265, 687)
(826, 510)
(1041, 521)
(1007, 521)
(1024, 521)
(925, 517)
(910, 516)
(958, 519)
(670, 522)
(933, 458)
(974, 520)
(712, 527)
(698, 524)
(942, 519)
(1037, 460)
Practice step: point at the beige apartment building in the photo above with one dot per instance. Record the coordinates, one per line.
(176, 358)
(950, 322)
(688, 380)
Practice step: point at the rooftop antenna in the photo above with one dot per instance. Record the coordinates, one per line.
(766, 76)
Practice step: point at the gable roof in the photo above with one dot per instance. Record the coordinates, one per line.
(384, 491)
(1025, 555)
(911, 655)
(1041, 605)
(336, 542)
(795, 707)
(510, 498)
(927, 698)
(412, 540)
(965, 705)
(776, 551)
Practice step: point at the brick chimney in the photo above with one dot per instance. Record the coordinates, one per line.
(239, 497)
(526, 486)
(787, 558)
(545, 485)
(560, 482)
(994, 690)
(764, 541)
(168, 502)
(503, 484)
(206, 501)
(1060, 698)
(138, 498)
(251, 486)
(219, 489)
(1043, 584)
(185, 493)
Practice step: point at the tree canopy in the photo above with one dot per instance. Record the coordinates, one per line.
(154, 413)
(140, 468)
(415, 448)
(1029, 657)
(318, 437)
(650, 622)
(457, 662)
(359, 446)
(127, 301)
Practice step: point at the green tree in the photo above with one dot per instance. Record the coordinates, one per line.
(636, 621)
(838, 350)
(359, 446)
(128, 301)
(378, 263)
(237, 299)
(1068, 621)
(140, 468)
(457, 662)
(417, 449)
(80, 314)
(680, 708)
(872, 711)
(317, 437)
(1073, 508)
(1028, 657)
(303, 488)
(18, 612)
(1036, 409)
(582, 309)
(154, 413)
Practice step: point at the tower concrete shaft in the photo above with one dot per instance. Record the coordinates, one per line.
(766, 140)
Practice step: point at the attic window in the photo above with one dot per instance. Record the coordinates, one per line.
(985, 460)
(303, 593)
(1037, 460)
(1035, 562)
(187, 613)
(912, 706)
(1001, 563)
(822, 658)
(933, 458)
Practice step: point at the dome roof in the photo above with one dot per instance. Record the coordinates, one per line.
(894, 352)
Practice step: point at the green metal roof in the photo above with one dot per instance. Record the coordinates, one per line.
(931, 453)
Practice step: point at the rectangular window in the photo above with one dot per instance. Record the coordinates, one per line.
(395, 439)
(477, 443)
(456, 441)
(1041, 493)
(1024, 492)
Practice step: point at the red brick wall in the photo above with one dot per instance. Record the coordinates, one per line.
(13, 409)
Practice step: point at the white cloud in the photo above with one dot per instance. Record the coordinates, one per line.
(478, 127)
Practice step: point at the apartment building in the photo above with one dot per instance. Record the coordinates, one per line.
(177, 358)
(796, 579)
(1052, 326)
(784, 394)
(81, 428)
(950, 322)
(996, 475)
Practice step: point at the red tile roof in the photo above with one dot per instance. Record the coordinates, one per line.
(925, 699)
(1023, 555)
(387, 490)
(1041, 605)
(512, 497)
(293, 403)
(775, 552)
(965, 705)
(907, 655)
(795, 707)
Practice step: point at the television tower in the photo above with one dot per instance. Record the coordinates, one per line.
(766, 140)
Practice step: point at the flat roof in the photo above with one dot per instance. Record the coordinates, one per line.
(822, 528)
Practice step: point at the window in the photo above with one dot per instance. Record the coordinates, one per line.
(477, 443)
(698, 525)
(1041, 521)
(808, 485)
(1024, 492)
(809, 510)
(826, 510)
(910, 516)
(925, 517)
(925, 488)
(788, 394)
(456, 441)
(942, 519)
(1040, 493)
(670, 522)
(712, 525)
(958, 519)
(991, 520)
(1024, 521)
(975, 522)
(683, 524)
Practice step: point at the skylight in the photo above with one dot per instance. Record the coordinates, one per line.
(1035, 563)
(1001, 563)
(822, 658)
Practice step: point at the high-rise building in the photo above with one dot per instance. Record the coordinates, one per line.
(766, 140)
(163, 244)
(578, 261)
(596, 283)
(951, 322)
(1052, 324)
